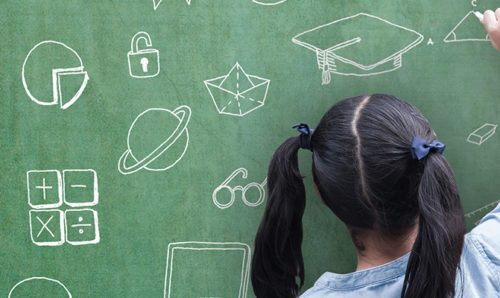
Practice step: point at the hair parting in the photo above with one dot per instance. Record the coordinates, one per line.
(364, 171)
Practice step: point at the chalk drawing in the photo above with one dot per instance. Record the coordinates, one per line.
(77, 188)
(44, 188)
(482, 134)
(179, 273)
(25, 283)
(468, 29)
(237, 93)
(430, 42)
(143, 63)
(349, 48)
(82, 226)
(80, 188)
(157, 3)
(483, 210)
(166, 128)
(47, 227)
(473, 3)
(243, 189)
(268, 2)
(62, 74)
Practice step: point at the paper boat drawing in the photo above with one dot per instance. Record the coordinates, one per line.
(468, 29)
(359, 45)
(237, 93)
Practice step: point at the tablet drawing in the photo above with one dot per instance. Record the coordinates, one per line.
(207, 269)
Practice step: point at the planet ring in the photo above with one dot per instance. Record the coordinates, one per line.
(186, 112)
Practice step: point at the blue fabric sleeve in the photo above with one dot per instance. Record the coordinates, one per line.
(487, 238)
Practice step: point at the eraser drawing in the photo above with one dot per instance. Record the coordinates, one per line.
(482, 134)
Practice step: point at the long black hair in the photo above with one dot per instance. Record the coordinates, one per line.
(364, 172)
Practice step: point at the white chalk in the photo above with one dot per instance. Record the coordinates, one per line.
(478, 15)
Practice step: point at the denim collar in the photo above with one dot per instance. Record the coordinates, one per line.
(363, 278)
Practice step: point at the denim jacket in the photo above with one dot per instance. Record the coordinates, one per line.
(479, 274)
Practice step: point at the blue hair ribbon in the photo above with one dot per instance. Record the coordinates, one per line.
(305, 135)
(420, 148)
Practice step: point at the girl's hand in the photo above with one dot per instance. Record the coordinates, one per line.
(491, 21)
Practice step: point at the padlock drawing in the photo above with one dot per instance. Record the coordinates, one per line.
(243, 189)
(143, 62)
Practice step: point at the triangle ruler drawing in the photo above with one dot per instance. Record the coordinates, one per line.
(468, 29)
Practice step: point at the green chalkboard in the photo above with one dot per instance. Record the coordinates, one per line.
(135, 135)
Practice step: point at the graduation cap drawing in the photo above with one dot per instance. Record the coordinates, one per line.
(359, 45)
(468, 29)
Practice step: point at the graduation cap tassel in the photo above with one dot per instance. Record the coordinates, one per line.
(325, 76)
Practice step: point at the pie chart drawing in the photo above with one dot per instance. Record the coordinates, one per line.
(157, 140)
(39, 287)
(53, 73)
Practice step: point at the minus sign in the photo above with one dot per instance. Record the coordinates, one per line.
(78, 185)
(81, 225)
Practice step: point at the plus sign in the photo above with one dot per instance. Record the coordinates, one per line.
(44, 188)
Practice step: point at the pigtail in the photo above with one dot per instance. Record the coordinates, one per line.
(277, 259)
(434, 260)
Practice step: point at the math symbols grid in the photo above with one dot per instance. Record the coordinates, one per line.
(47, 189)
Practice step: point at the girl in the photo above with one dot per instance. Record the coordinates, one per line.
(377, 165)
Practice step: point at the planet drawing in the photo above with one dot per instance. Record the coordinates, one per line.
(157, 140)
